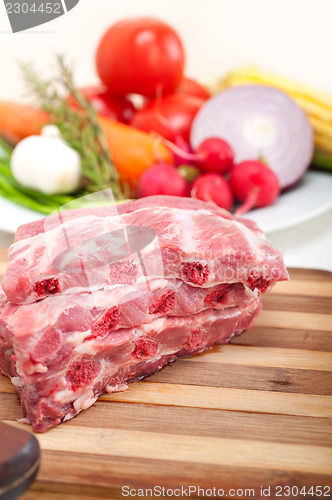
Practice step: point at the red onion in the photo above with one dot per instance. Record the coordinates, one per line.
(259, 121)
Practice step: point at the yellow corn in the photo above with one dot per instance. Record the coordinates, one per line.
(323, 143)
(321, 127)
(316, 104)
(314, 109)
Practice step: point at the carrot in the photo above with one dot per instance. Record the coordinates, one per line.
(17, 121)
(132, 150)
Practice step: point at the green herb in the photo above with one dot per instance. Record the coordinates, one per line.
(79, 127)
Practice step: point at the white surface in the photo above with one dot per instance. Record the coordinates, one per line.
(307, 245)
(13, 215)
(291, 37)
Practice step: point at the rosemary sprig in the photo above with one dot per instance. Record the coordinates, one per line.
(79, 127)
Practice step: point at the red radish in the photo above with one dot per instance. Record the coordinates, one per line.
(212, 155)
(214, 189)
(255, 184)
(162, 179)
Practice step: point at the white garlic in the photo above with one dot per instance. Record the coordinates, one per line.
(46, 163)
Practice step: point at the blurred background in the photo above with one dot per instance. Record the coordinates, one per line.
(293, 38)
(290, 38)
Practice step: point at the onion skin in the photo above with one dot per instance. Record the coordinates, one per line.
(225, 115)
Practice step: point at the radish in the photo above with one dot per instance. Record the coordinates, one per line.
(255, 184)
(162, 179)
(212, 155)
(213, 188)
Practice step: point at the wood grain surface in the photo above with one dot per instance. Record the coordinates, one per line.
(255, 413)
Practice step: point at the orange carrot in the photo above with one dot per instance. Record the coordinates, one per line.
(132, 150)
(17, 121)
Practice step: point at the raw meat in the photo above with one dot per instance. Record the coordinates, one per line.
(85, 251)
(105, 311)
(39, 226)
(58, 376)
(94, 299)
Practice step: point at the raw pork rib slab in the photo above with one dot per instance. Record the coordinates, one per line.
(87, 308)
(58, 378)
(200, 245)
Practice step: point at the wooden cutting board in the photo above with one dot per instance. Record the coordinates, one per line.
(256, 413)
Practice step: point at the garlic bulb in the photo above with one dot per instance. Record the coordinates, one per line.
(46, 163)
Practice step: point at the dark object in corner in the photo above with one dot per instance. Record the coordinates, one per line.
(19, 461)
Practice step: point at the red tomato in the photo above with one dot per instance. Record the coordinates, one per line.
(191, 87)
(140, 56)
(170, 116)
(117, 108)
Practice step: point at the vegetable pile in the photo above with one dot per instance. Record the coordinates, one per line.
(316, 104)
(148, 129)
(258, 121)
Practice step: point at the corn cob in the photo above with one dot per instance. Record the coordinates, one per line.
(323, 143)
(316, 104)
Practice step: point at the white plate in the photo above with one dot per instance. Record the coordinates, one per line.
(311, 197)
